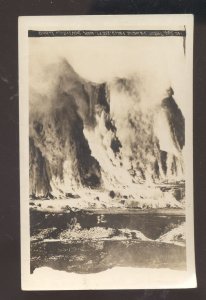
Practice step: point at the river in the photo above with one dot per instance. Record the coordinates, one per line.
(94, 255)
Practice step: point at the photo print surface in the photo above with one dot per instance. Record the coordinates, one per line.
(106, 152)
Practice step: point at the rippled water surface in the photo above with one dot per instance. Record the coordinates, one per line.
(94, 255)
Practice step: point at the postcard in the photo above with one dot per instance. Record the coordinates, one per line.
(106, 152)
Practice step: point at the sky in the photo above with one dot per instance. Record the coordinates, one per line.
(159, 61)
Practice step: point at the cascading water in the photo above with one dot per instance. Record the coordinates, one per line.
(98, 136)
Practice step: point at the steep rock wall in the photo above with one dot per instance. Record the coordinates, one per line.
(91, 135)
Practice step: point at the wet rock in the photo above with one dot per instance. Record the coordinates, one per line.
(66, 208)
(112, 194)
(70, 195)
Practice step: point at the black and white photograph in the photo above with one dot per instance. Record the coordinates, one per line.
(106, 153)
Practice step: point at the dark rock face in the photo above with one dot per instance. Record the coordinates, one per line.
(38, 175)
(176, 121)
(62, 158)
(59, 152)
